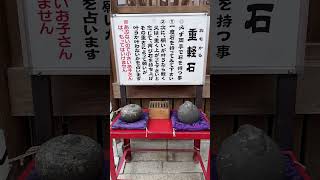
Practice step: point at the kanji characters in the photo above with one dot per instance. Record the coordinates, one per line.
(191, 67)
(252, 23)
(223, 51)
(191, 52)
(225, 5)
(224, 22)
(226, 35)
(192, 34)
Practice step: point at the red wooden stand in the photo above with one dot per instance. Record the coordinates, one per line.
(157, 129)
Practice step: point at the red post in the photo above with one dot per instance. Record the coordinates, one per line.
(209, 166)
(126, 145)
(196, 147)
(112, 165)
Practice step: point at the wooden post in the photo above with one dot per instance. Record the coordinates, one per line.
(41, 91)
(196, 143)
(126, 142)
(285, 112)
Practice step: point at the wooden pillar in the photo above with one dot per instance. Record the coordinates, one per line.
(285, 110)
(41, 91)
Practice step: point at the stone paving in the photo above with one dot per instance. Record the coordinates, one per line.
(163, 165)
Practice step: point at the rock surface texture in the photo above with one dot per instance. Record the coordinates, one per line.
(131, 113)
(250, 154)
(188, 113)
(70, 157)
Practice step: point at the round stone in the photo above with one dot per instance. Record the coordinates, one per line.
(131, 113)
(70, 157)
(250, 154)
(188, 113)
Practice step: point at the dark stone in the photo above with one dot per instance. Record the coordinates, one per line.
(188, 113)
(250, 154)
(70, 157)
(131, 113)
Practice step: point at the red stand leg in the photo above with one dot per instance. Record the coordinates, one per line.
(112, 165)
(196, 146)
(126, 145)
(209, 166)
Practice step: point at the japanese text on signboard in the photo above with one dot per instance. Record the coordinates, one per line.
(161, 49)
(59, 9)
(224, 22)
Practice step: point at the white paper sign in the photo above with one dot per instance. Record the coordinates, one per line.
(161, 49)
(65, 37)
(258, 36)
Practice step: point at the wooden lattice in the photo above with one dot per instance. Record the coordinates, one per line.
(159, 110)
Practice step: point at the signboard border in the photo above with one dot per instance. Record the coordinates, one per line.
(27, 56)
(297, 68)
(161, 14)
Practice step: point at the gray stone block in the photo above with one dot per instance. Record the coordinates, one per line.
(180, 144)
(185, 176)
(178, 167)
(149, 156)
(143, 176)
(180, 156)
(143, 167)
(156, 144)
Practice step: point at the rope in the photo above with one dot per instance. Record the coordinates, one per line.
(31, 151)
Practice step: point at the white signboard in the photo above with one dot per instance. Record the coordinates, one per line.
(63, 37)
(161, 49)
(258, 36)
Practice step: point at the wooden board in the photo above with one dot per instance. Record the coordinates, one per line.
(12, 26)
(312, 155)
(80, 95)
(135, 101)
(177, 103)
(308, 97)
(20, 92)
(297, 135)
(145, 103)
(258, 121)
(85, 125)
(162, 91)
(243, 94)
(313, 22)
(71, 95)
(312, 55)
(221, 128)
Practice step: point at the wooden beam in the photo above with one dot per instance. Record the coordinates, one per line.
(80, 95)
(160, 9)
(234, 94)
(243, 94)
(162, 91)
(308, 98)
(20, 92)
(71, 95)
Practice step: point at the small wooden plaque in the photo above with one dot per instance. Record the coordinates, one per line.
(159, 110)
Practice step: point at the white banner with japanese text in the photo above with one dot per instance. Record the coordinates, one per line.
(161, 49)
(66, 37)
(258, 36)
